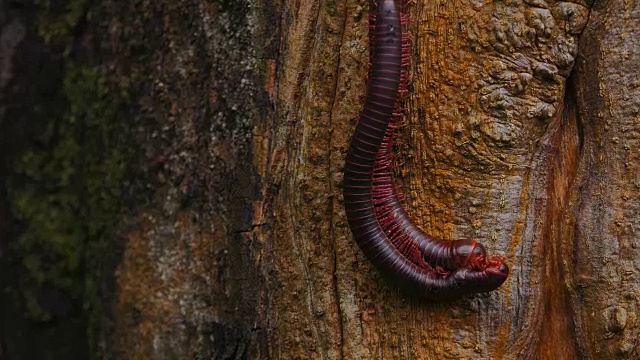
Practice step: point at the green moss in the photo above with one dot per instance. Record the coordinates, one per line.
(57, 21)
(69, 192)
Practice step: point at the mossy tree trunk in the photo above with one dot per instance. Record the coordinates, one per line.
(171, 179)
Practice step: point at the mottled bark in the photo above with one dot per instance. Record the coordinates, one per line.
(603, 260)
(171, 179)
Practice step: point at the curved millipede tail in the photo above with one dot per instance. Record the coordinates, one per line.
(383, 231)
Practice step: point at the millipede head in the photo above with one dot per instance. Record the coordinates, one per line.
(496, 271)
(488, 279)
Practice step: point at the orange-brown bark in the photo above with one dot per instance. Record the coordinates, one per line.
(523, 134)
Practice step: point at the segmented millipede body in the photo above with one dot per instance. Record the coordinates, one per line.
(381, 228)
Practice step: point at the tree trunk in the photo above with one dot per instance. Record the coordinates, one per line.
(171, 179)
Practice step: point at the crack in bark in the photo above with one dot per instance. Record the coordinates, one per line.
(334, 278)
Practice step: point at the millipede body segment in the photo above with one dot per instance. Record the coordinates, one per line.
(384, 232)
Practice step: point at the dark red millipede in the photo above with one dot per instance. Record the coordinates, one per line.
(412, 242)
(368, 159)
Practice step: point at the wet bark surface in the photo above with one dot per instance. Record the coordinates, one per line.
(171, 179)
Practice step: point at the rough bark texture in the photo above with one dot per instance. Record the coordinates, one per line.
(603, 261)
(171, 179)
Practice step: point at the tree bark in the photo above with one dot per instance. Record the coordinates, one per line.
(171, 179)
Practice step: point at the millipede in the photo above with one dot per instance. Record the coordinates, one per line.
(381, 227)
